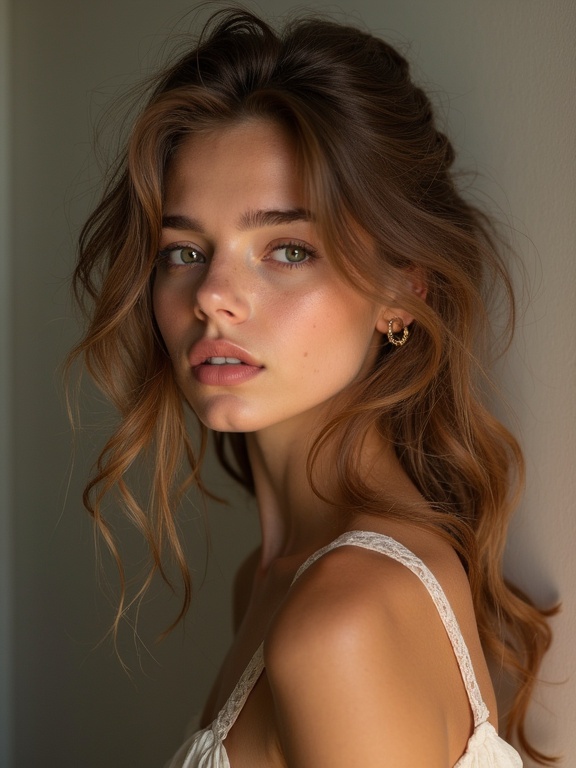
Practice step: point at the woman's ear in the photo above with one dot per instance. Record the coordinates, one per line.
(398, 317)
(417, 285)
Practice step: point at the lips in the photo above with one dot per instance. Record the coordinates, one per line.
(217, 350)
(221, 363)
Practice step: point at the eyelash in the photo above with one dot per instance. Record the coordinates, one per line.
(163, 258)
(310, 253)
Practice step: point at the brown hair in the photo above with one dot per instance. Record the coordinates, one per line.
(374, 163)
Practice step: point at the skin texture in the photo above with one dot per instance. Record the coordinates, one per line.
(359, 670)
(243, 290)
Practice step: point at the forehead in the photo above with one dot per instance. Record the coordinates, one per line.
(252, 157)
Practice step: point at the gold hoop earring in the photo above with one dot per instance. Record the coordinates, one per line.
(404, 331)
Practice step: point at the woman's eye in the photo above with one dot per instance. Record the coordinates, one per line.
(291, 254)
(181, 255)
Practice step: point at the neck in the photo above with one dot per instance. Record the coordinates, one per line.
(294, 519)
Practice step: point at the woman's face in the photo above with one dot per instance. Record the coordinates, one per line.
(260, 328)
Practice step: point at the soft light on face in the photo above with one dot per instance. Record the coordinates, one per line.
(261, 330)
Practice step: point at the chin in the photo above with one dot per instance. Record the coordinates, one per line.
(221, 415)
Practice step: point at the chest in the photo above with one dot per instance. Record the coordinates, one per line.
(267, 596)
(254, 740)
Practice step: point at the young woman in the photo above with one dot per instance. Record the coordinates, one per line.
(282, 250)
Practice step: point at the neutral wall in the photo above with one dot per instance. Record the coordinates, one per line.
(5, 413)
(506, 69)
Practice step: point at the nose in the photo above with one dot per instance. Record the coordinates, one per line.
(223, 294)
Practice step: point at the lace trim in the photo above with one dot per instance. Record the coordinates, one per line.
(387, 546)
(230, 711)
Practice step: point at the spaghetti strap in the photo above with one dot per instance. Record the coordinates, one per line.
(230, 711)
(485, 749)
(385, 545)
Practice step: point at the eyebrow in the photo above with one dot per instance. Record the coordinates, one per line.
(252, 219)
(270, 218)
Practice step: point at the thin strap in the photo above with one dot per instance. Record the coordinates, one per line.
(392, 548)
(230, 711)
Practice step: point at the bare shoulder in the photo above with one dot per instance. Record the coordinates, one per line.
(358, 648)
(352, 589)
(349, 592)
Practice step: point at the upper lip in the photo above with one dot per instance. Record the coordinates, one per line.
(206, 348)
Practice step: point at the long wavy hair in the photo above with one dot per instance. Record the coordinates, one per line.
(376, 170)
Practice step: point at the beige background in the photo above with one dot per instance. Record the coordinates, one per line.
(506, 70)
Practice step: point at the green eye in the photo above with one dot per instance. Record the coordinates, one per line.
(292, 254)
(181, 255)
(188, 255)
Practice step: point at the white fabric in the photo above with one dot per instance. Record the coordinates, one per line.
(485, 749)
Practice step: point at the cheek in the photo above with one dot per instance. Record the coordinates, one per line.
(173, 297)
(328, 329)
(350, 318)
(167, 313)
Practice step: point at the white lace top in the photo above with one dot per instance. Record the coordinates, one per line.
(485, 749)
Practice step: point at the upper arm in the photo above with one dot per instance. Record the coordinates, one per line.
(350, 671)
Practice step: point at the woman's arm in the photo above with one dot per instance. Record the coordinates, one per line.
(362, 671)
